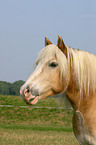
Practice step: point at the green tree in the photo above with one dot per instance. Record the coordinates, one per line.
(10, 88)
(16, 87)
(4, 88)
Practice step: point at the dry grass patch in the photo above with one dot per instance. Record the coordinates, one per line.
(27, 137)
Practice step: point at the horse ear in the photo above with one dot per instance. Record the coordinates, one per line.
(47, 42)
(61, 45)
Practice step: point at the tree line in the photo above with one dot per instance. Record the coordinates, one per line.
(7, 88)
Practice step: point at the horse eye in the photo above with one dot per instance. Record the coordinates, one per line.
(53, 64)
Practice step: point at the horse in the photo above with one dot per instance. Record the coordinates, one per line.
(62, 69)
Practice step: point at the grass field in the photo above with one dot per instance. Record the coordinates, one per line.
(26, 126)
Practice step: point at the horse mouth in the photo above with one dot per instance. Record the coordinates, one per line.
(31, 100)
(28, 97)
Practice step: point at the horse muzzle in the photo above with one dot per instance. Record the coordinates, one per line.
(29, 95)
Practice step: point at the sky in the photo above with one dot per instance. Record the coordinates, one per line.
(25, 23)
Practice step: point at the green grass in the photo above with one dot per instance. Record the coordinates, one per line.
(17, 101)
(35, 126)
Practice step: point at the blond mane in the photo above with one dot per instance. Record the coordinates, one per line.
(82, 63)
(84, 66)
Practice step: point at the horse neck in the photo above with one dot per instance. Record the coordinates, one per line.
(81, 102)
(73, 92)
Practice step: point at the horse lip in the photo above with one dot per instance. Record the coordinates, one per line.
(31, 99)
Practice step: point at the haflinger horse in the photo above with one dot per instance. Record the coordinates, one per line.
(61, 69)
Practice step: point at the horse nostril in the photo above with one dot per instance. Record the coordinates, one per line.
(27, 90)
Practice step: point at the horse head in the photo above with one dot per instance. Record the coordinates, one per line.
(47, 79)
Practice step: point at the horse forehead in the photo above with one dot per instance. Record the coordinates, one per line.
(51, 46)
(48, 50)
(47, 53)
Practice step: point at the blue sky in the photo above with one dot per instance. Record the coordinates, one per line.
(25, 23)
